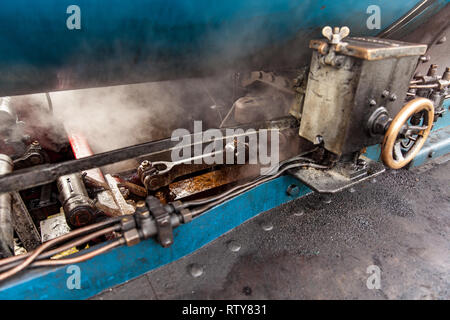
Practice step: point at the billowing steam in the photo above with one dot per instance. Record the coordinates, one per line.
(120, 116)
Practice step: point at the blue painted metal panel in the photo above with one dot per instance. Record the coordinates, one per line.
(130, 41)
(373, 152)
(444, 121)
(438, 143)
(123, 264)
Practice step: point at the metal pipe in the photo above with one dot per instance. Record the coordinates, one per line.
(86, 256)
(47, 245)
(6, 229)
(81, 149)
(8, 115)
(79, 209)
(423, 86)
(59, 249)
(68, 236)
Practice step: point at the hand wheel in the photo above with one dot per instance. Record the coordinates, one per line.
(413, 123)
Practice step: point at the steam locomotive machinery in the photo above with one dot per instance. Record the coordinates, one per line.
(357, 92)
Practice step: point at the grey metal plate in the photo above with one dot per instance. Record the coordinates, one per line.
(332, 181)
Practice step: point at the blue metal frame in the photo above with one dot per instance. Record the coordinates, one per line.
(438, 143)
(148, 40)
(125, 263)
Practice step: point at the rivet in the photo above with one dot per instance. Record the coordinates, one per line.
(140, 204)
(234, 246)
(299, 214)
(293, 190)
(267, 226)
(442, 40)
(195, 270)
(326, 198)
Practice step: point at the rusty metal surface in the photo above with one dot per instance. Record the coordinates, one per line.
(117, 196)
(53, 227)
(23, 224)
(155, 180)
(371, 48)
(339, 101)
(211, 180)
(328, 103)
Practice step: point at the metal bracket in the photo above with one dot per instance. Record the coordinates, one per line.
(338, 178)
(163, 223)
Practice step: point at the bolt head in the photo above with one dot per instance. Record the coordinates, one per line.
(425, 58)
(361, 162)
(442, 40)
(293, 190)
(267, 226)
(234, 246)
(195, 270)
(144, 214)
(145, 163)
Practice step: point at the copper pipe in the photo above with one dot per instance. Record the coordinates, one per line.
(67, 246)
(84, 257)
(424, 86)
(80, 241)
(63, 238)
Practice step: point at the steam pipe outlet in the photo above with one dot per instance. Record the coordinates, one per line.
(6, 228)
